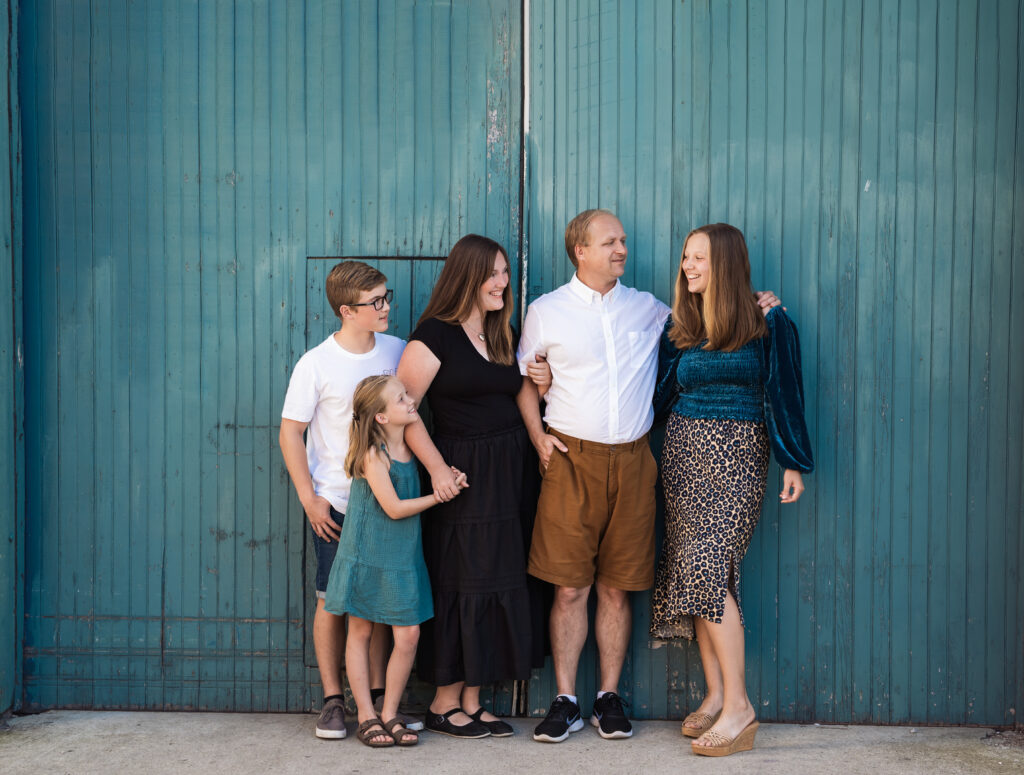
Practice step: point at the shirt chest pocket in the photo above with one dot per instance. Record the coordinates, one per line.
(642, 346)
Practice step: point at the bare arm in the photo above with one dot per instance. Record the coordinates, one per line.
(528, 401)
(375, 469)
(317, 508)
(416, 371)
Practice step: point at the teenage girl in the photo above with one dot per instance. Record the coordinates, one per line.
(379, 574)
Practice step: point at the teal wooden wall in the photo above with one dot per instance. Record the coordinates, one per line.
(182, 161)
(870, 151)
(11, 368)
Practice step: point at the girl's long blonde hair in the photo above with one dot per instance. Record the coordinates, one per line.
(727, 313)
(366, 433)
(457, 291)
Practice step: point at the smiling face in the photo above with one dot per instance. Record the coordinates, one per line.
(492, 292)
(365, 316)
(602, 261)
(697, 262)
(399, 408)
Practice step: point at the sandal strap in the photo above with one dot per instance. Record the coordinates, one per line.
(453, 711)
(717, 739)
(397, 722)
(370, 723)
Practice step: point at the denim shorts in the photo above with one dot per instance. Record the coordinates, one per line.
(325, 551)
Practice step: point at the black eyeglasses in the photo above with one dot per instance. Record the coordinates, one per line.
(378, 303)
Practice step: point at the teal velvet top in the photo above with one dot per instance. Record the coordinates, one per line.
(760, 382)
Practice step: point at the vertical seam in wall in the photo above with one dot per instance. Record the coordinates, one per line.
(524, 119)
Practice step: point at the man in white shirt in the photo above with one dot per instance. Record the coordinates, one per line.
(595, 516)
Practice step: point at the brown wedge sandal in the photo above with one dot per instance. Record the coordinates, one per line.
(723, 746)
(399, 732)
(372, 728)
(704, 722)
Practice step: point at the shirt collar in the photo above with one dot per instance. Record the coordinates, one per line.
(588, 294)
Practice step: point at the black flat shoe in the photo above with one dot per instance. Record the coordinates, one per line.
(497, 728)
(440, 722)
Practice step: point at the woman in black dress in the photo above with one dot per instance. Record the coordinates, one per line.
(488, 618)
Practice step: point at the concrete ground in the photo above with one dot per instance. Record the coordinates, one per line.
(125, 742)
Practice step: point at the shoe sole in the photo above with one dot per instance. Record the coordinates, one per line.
(595, 721)
(575, 726)
(330, 734)
(458, 737)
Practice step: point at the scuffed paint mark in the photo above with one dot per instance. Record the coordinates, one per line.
(231, 178)
(867, 186)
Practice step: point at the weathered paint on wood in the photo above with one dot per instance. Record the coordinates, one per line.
(12, 458)
(869, 151)
(182, 161)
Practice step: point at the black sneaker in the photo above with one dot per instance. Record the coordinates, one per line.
(609, 717)
(331, 724)
(563, 718)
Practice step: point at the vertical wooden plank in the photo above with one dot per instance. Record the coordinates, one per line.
(902, 653)
(941, 604)
(981, 559)
(12, 376)
(828, 614)
(1000, 670)
(922, 648)
(962, 500)
(1008, 244)
(882, 657)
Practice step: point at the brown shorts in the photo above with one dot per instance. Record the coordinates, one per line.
(595, 516)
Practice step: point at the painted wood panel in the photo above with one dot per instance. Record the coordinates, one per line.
(12, 459)
(183, 160)
(869, 151)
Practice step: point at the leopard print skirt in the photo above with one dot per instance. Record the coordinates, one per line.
(714, 474)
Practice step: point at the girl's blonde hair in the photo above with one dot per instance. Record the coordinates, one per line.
(727, 313)
(366, 433)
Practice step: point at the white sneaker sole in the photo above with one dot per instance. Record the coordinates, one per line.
(330, 734)
(595, 721)
(575, 726)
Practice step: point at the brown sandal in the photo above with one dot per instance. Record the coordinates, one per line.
(723, 746)
(399, 732)
(366, 733)
(704, 722)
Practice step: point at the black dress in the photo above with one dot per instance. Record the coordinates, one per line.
(488, 614)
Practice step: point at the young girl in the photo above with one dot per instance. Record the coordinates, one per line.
(379, 574)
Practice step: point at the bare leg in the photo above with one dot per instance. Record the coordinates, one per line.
(612, 629)
(471, 703)
(380, 641)
(399, 667)
(568, 634)
(328, 643)
(727, 643)
(712, 671)
(446, 698)
(357, 664)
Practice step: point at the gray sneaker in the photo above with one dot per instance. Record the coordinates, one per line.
(411, 723)
(331, 724)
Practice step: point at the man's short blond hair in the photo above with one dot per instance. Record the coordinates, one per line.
(347, 280)
(577, 232)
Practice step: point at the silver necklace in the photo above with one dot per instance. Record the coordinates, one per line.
(479, 334)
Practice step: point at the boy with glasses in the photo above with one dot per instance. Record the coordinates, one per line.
(319, 399)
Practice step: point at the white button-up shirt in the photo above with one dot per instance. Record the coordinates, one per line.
(603, 354)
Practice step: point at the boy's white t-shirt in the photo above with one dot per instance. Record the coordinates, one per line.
(320, 393)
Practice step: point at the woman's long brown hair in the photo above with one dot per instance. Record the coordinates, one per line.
(727, 313)
(457, 291)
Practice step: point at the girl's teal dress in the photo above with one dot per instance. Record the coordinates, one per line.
(379, 573)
